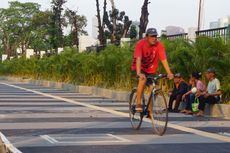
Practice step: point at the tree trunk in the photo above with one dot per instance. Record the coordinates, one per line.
(76, 36)
(6, 44)
(23, 47)
(103, 22)
(126, 29)
(8, 49)
(113, 35)
(100, 28)
(104, 12)
(144, 19)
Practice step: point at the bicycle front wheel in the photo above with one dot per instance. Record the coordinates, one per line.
(135, 117)
(159, 116)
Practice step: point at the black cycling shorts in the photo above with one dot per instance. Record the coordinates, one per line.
(149, 81)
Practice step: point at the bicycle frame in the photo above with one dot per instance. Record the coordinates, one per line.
(150, 98)
(158, 116)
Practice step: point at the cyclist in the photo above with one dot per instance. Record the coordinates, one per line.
(147, 53)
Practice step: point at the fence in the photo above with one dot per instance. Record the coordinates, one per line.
(178, 36)
(223, 32)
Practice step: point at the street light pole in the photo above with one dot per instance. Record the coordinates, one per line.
(199, 16)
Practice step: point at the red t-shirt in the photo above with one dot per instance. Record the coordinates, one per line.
(150, 56)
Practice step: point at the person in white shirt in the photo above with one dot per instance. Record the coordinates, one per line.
(213, 92)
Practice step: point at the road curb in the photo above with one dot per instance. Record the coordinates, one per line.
(2, 147)
(108, 93)
(217, 110)
(6, 146)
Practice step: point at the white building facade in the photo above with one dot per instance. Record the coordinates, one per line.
(174, 30)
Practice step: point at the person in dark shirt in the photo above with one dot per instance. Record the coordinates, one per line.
(180, 88)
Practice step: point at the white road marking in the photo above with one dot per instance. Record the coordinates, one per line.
(90, 142)
(48, 138)
(84, 139)
(49, 89)
(177, 127)
(8, 145)
(119, 138)
(225, 134)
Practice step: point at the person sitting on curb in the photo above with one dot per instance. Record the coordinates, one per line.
(212, 94)
(180, 88)
(198, 87)
(188, 96)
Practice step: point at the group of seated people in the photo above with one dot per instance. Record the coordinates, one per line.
(194, 89)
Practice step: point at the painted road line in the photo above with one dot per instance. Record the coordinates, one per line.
(224, 133)
(119, 138)
(8, 145)
(84, 139)
(174, 126)
(48, 138)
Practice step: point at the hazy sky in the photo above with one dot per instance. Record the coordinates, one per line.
(163, 13)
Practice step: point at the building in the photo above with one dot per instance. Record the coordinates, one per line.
(174, 30)
(29, 53)
(86, 41)
(214, 25)
(222, 22)
(192, 33)
(163, 32)
(4, 57)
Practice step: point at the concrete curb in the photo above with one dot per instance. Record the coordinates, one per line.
(217, 110)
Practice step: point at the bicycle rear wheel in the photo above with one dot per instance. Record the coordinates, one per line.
(159, 117)
(135, 117)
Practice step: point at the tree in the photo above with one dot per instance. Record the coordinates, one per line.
(57, 24)
(101, 25)
(144, 18)
(100, 29)
(113, 15)
(41, 23)
(118, 25)
(5, 31)
(16, 26)
(77, 23)
(133, 32)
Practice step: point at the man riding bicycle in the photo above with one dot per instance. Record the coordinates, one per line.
(146, 57)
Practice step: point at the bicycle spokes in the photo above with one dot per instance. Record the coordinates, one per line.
(135, 117)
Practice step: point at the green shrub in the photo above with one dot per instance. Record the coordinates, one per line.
(111, 67)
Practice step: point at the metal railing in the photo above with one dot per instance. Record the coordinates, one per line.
(223, 32)
(178, 36)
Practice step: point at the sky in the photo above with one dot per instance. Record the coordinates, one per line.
(162, 13)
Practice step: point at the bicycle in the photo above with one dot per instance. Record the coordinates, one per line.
(159, 115)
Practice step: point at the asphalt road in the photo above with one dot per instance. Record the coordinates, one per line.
(37, 119)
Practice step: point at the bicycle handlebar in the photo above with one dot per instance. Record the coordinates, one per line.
(157, 77)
